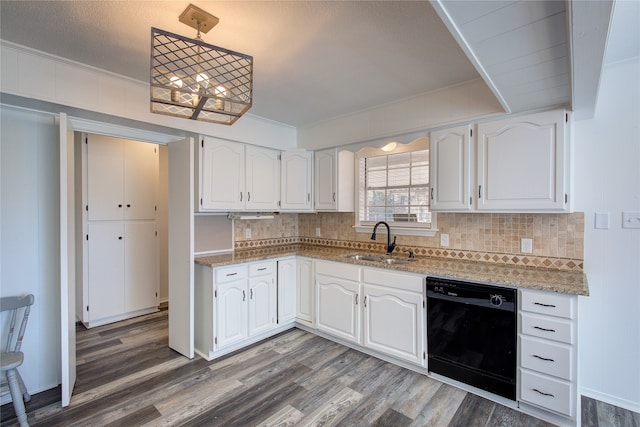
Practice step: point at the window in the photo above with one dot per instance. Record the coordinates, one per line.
(394, 188)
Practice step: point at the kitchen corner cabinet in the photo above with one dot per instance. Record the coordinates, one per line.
(237, 177)
(305, 295)
(450, 167)
(394, 314)
(334, 180)
(287, 292)
(296, 181)
(548, 351)
(523, 164)
(338, 300)
(120, 275)
(234, 306)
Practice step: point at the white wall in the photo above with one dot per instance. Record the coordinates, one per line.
(29, 239)
(37, 75)
(607, 179)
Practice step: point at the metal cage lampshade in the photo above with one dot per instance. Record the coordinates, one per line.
(195, 80)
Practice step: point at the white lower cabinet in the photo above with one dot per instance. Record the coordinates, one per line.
(547, 342)
(378, 309)
(234, 306)
(305, 297)
(338, 310)
(287, 292)
(394, 314)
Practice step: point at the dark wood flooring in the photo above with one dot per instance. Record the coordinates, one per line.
(127, 376)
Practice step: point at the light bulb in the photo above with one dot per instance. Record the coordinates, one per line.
(220, 92)
(176, 82)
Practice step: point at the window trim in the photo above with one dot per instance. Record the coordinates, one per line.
(407, 229)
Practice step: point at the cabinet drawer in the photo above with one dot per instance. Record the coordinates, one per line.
(546, 357)
(547, 392)
(551, 304)
(548, 327)
(405, 281)
(339, 270)
(262, 268)
(228, 274)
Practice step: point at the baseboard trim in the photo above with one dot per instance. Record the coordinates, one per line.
(612, 400)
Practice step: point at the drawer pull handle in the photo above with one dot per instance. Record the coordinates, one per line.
(244, 295)
(262, 269)
(231, 274)
(544, 329)
(543, 393)
(544, 305)
(543, 358)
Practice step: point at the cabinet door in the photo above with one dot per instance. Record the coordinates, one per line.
(105, 178)
(141, 265)
(221, 175)
(450, 152)
(521, 163)
(231, 302)
(105, 269)
(325, 182)
(393, 322)
(262, 178)
(304, 292)
(262, 304)
(140, 180)
(286, 290)
(296, 183)
(338, 307)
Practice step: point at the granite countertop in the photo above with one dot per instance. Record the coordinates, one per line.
(566, 282)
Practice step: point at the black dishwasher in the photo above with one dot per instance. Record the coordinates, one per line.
(471, 334)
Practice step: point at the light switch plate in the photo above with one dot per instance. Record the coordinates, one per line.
(318, 232)
(630, 219)
(444, 240)
(247, 233)
(601, 220)
(526, 246)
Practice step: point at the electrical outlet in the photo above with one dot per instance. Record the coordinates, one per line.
(247, 233)
(444, 240)
(630, 219)
(317, 231)
(526, 246)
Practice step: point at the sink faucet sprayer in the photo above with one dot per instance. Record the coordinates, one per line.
(390, 246)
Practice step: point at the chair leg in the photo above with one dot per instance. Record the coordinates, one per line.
(16, 396)
(25, 394)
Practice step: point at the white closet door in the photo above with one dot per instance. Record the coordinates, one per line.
(105, 180)
(140, 177)
(141, 265)
(106, 269)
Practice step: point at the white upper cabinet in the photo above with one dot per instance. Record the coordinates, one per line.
(262, 169)
(296, 172)
(522, 164)
(235, 177)
(121, 179)
(450, 169)
(334, 180)
(221, 175)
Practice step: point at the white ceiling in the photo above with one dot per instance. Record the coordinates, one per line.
(314, 60)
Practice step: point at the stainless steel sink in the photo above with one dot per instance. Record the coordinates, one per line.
(386, 260)
(364, 257)
(395, 261)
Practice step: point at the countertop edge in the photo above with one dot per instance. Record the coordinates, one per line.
(559, 281)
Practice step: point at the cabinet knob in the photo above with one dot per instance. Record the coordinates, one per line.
(128, 205)
(119, 237)
(120, 205)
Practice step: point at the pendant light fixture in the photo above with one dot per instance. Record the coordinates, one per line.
(195, 80)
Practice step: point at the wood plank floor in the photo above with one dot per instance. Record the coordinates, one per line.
(127, 376)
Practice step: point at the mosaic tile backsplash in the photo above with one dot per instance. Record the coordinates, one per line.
(558, 239)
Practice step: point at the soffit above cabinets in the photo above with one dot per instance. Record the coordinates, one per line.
(520, 48)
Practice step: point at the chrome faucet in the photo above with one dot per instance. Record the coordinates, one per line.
(390, 246)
